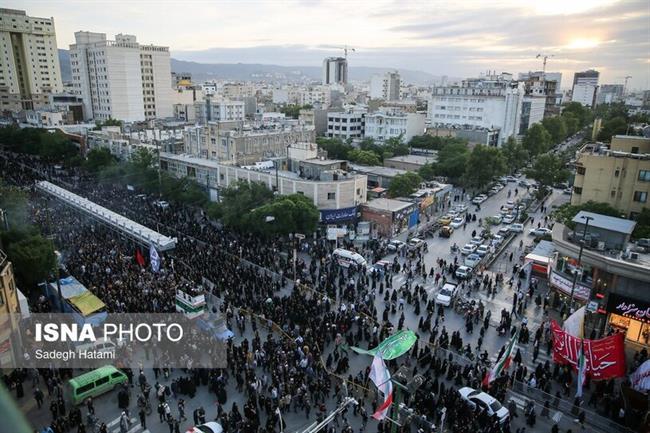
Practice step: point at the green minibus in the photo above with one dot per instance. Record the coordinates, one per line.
(94, 383)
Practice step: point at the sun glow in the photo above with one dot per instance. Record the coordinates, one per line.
(582, 43)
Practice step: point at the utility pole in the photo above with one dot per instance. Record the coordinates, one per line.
(579, 264)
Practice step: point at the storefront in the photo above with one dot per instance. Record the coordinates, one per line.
(630, 316)
(563, 284)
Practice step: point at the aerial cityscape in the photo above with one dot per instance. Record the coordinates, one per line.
(324, 216)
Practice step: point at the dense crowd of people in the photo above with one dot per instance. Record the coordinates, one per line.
(297, 357)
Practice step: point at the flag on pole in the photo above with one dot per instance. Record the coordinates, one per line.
(154, 258)
(380, 375)
(502, 363)
(138, 257)
(582, 370)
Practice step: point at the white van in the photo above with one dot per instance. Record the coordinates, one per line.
(345, 258)
(102, 345)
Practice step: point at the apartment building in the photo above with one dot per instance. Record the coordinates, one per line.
(544, 84)
(617, 174)
(29, 65)
(585, 87)
(211, 109)
(490, 102)
(386, 86)
(237, 144)
(609, 94)
(346, 125)
(121, 79)
(335, 70)
(389, 123)
(123, 145)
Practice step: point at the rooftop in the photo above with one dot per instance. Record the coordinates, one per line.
(377, 170)
(318, 161)
(604, 222)
(388, 204)
(414, 159)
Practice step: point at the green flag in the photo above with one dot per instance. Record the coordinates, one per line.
(394, 346)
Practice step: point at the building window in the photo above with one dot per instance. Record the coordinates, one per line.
(644, 175)
(581, 170)
(635, 149)
(640, 196)
(577, 190)
(617, 172)
(331, 196)
(613, 193)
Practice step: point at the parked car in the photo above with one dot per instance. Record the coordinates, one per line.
(508, 219)
(567, 191)
(523, 183)
(457, 222)
(446, 294)
(479, 199)
(485, 402)
(380, 267)
(445, 220)
(446, 231)
(476, 240)
(496, 240)
(503, 179)
(511, 179)
(503, 231)
(463, 272)
(517, 228)
(496, 219)
(460, 208)
(472, 260)
(395, 245)
(468, 249)
(208, 427)
(541, 231)
(509, 204)
(416, 244)
(482, 250)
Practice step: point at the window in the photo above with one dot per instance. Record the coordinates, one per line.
(581, 170)
(101, 381)
(331, 196)
(644, 175)
(613, 193)
(617, 172)
(635, 149)
(116, 375)
(577, 190)
(85, 388)
(640, 196)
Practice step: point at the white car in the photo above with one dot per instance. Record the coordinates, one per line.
(517, 228)
(541, 231)
(476, 240)
(496, 240)
(460, 208)
(503, 179)
(511, 179)
(457, 222)
(479, 199)
(463, 272)
(485, 402)
(468, 249)
(446, 294)
(208, 427)
(482, 250)
(509, 219)
(503, 231)
(395, 245)
(497, 219)
(509, 204)
(416, 244)
(472, 260)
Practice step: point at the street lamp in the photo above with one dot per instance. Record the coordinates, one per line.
(579, 264)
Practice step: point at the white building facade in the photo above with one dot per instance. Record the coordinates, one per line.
(346, 125)
(218, 110)
(29, 65)
(491, 102)
(585, 87)
(386, 86)
(387, 123)
(121, 79)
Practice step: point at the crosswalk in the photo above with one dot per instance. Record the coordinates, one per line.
(135, 426)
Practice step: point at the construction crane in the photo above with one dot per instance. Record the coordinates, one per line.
(545, 57)
(345, 49)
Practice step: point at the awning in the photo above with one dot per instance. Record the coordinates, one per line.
(87, 303)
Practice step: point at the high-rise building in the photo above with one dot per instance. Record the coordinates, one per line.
(492, 102)
(121, 79)
(610, 93)
(544, 84)
(386, 86)
(335, 70)
(585, 87)
(29, 66)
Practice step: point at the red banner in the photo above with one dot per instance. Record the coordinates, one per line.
(605, 357)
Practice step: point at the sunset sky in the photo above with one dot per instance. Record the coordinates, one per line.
(456, 38)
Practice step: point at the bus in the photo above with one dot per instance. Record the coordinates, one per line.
(345, 258)
(94, 383)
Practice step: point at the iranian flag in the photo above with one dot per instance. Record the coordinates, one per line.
(502, 363)
(380, 375)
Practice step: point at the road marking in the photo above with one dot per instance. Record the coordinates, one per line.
(117, 420)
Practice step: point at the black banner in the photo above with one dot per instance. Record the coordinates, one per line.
(629, 307)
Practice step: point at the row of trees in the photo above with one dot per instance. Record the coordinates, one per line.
(368, 152)
(51, 146)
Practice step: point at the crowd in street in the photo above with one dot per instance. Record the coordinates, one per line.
(297, 358)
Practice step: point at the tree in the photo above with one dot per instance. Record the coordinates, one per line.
(484, 163)
(571, 123)
(536, 140)
(293, 213)
(33, 258)
(364, 157)
(581, 113)
(431, 142)
(404, 184)
(395, 147)
(642, 229)
(451, 161)
(556, 127)
(334, 147)
(239, 199)
(98, 159)
(514, 154)
(611, 127)
(142, 159)
(13, 202)
(548, 170)
(427, 171)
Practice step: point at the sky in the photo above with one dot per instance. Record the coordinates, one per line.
(461, 38)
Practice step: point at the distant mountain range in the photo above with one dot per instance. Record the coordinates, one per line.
(260, 72)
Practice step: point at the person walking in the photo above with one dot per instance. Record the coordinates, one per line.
(143, 418)
(38, 396)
